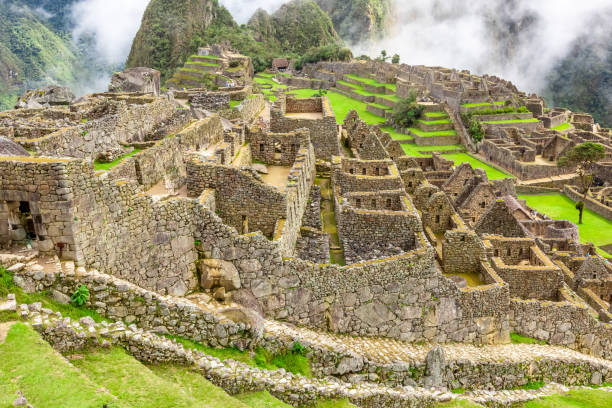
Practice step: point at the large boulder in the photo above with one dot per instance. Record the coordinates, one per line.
(139, 79)
(10, 148)
(218, 273)
(51, 95)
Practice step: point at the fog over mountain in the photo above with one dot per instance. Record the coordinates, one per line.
(520, 40)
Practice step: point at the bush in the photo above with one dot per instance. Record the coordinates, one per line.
(407, 112)
(234, 64)
(80, 296)
(331, 52)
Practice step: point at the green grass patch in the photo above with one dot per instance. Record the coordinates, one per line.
(8, 286)
(582, 398)
(562, 127)
(492, 172)
(379, 106)
(233, 104)
(342, 105)
(436, 114)
(594, 228)
(343, 403)
(459, 390)
(516, 338)
(107, 166)
(495, 122)
(422, 133)
(474, 105)
(204, 56)
(205, 64)
(131, 381)
(416, 151)
(196, 386)
(290, 361)
(262, 399)
(533, 385)
(435, 122)
(46, 379)
(370, 81)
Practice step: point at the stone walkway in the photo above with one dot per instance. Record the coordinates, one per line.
(389, 351)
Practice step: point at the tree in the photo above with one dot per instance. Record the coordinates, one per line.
(395, 59)
(583, 157)
(406, 112)
(383, 56)
(580, 208)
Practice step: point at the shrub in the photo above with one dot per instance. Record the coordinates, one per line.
(297, 348)
(407, 112)
(331, 52)
(395, 59)
(234, 64)
(80, 296)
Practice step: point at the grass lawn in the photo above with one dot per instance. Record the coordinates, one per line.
(562, 127)
(233, 104)
(131, 381)
(107, 166)
(594, 228)
(371, 81)
(421, 133)
(261, 399)
(342, 105)
(473, 105)
(378, 105)
(206, 64)
(494, 122)
(435, 122)
(196, 386)
(414, 150)
(45, 377)
(492, 172)
(205, 56)
(436, 115)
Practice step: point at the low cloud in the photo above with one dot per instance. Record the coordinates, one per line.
(242, 10)
(520, 40)
(111, 23)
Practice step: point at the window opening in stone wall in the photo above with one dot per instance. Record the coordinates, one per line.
(374, 203)
(262, 148)
(388, 203)
(358, 203)
(437, 219)
(363, 171)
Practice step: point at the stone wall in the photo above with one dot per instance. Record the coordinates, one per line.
(123, 301)
(265, 146)
(590, 203)
(567, 323)
(323, 131)
(240, 195)
(211, 101)
(313, 245)
(104, 137)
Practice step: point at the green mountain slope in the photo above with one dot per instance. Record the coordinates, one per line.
(31, 52)
(171, 30)
(359, 20)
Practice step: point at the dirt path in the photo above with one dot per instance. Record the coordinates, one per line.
(4, 329)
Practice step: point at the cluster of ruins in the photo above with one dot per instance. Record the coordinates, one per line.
(328, 226)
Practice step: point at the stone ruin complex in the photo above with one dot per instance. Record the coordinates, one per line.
(266, 224)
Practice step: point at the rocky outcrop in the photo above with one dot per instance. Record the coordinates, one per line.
(139, 79)
(46, 96)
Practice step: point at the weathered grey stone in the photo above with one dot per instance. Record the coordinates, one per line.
(139, 79)
(216, 272)
(435, 363)
(374, 314)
